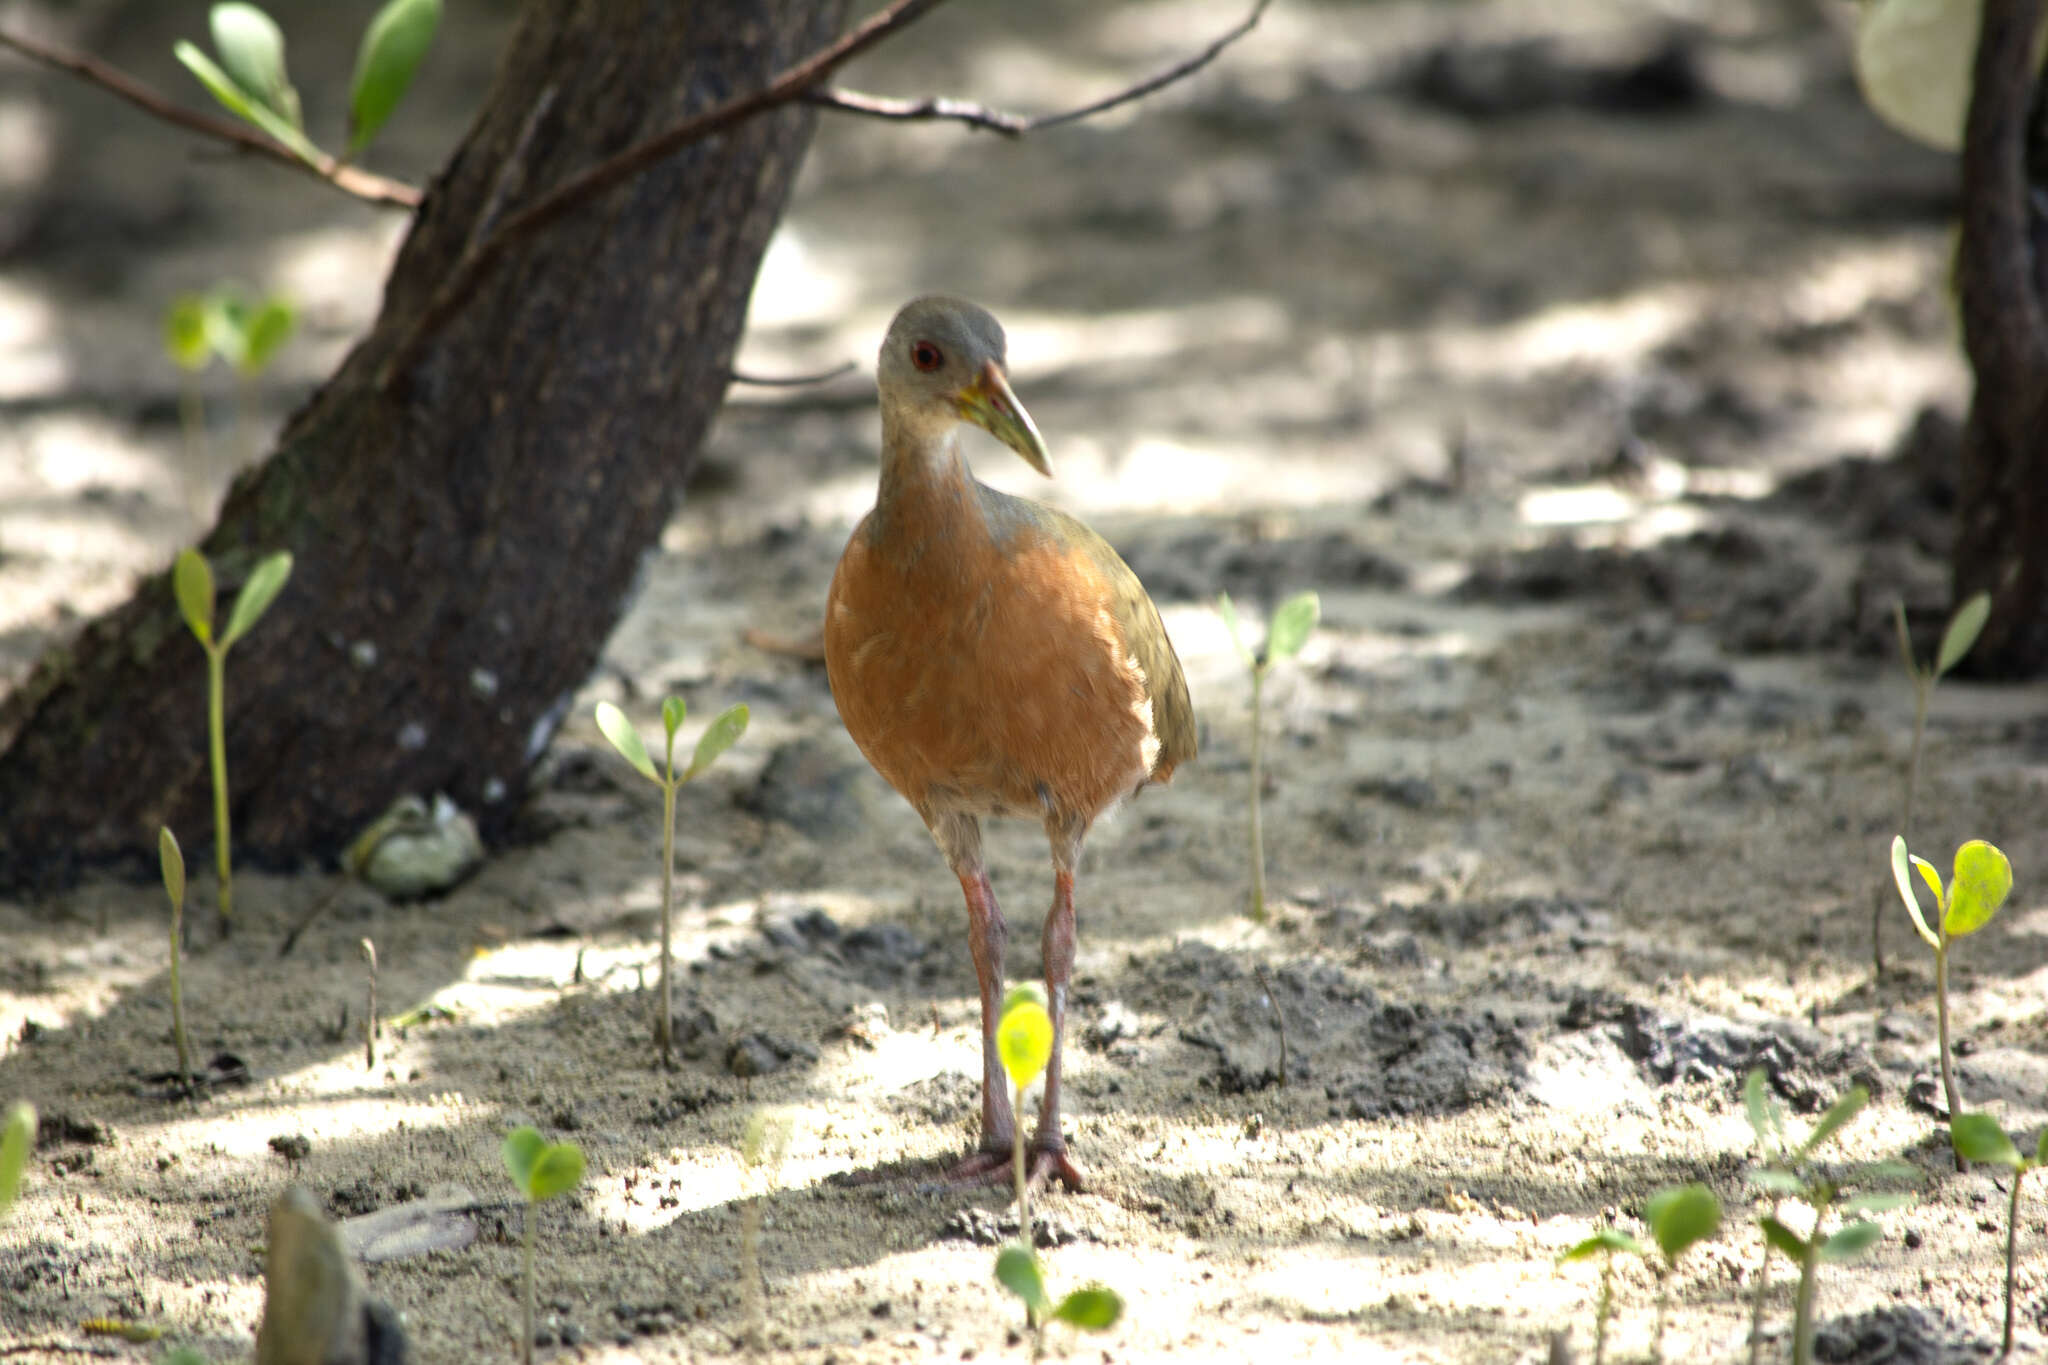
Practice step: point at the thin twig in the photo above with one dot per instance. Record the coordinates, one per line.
(793, 381)
(1017, 125)
(350, 180)
(370, 1014)
(1259, 970)
(785, 88)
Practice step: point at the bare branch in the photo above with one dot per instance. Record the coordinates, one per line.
(791, 381)
(785, 88)
(1016, 125)
(350, 180)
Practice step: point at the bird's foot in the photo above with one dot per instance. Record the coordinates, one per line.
(1043, 1165)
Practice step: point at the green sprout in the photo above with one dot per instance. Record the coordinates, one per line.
(245, 333)
(1789, 1172)
(1956, 639)
(1024, 1042)
(719, 736)
(1678, 1218)
(763, 1148)
(1981, 882)
(1293, 622)
(250, 82)
(172, 862)
(541, 1170)
(192, 582)
(17, 1137)
(1977, 1137)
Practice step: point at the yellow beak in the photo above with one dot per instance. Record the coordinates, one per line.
(989, 403)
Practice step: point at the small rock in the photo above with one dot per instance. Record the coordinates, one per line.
(758, 1054)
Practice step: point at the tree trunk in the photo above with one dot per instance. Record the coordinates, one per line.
(2002, 277)
(464, 540)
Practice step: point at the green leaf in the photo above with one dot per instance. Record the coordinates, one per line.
(1977, 1137)
(257, 594)
(1017, 1271)
(1906, 643)
(557, 1170)
(1229, 615)
(2041, 1149)
(172, 861)
(1963, 629)
(1903, 879)
(1771, 1180)
(235, 101)
(673, 712)
(616, 728)
(251, 49)
(720, 735)
(1682, 1216)
(393, 46)
(17, 1138)
(1604, 1242)
(1766, 1115)
(1982, 881)
(1021, 992)
(522, 1151)
(227, 325)
(1878, 1201)
(1096, 1308)
(1839, 1113)
(192, 582)
(267, 330)
(1783, 1238)
(1024, 1041)
(184, 1355)
(1851, 1240)
(185, 333)
(1913, 63)
(1292, 625)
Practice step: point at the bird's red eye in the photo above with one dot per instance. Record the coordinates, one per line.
(926, 356)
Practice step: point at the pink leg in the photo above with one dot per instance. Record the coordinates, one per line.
(1049, 1147)
(986, 934)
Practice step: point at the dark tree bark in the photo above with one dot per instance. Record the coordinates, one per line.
(465, 538)
(2002, 277)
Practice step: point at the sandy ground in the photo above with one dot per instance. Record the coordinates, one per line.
(1591, 361)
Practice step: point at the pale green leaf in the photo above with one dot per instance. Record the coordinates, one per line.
(616, 728)
(257, 594)
(268, 327)
(1963, 629)
(1292, 624)
(1913, 62)
(721, 734)
(1771, 1180)
(1977, 1137)
(1877, 1201)
(185, 333)
(1094, 1308)
(172, 862)
(1783, 1238)
(1604, 1242)
(17, 1139)
(227, 325)
(1766, 1115)
(1228, 612)
(1982, 881)
(1906, 642)
(1838, 1114)
(235, 101)
(557, 1170)
(1024, 1041)
(1017, 1271)
(522, 1150)
(1682, 1216)
(192, 583)
(2041, 1149)
(393, 46)
(673, 712)
(1021, 992)
(1851, 1240)
(251, 48)
(1903, 879)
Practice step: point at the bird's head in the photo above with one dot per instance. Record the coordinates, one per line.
(943, 362)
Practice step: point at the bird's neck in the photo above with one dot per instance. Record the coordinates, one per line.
(918, 460)
(927, 498)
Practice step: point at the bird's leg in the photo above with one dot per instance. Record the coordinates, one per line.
(959, 837)
(1049, 1147)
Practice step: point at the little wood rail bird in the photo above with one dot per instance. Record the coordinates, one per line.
(994, 657)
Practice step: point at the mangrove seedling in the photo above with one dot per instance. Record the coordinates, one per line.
(1293, 623)
(250, 81)
(172, 862)
(1977, 1137)
(762, 1149)
(245, 333)
(192, 582)
(1024, 1042)
(17, 1139)
(1793, 1175)
(541, 1170)
(719, 736)
(1982, 880)
(1678, 1218)
(1956, 639)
